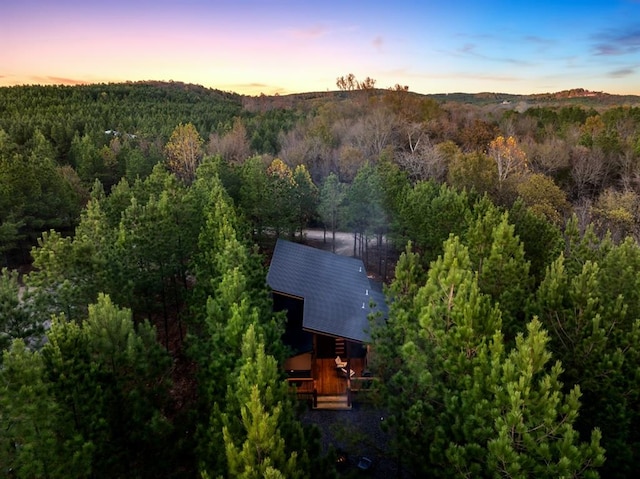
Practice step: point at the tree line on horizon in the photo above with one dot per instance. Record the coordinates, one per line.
(512, 339)
(558, 159)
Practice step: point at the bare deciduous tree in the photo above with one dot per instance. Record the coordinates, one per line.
(347, 83)
(425, 161)
(549, 157)
(233, 146)
(587, 170)
(373, 133)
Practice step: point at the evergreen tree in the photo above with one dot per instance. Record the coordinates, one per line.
(109, 379)
(70, 270)
(31, 442)
(254, 194)
(332, 194)
(229, 297)
(364, 208)
(21, 314)
(281, 214)
(306, 197)
(90, 404)
(429, 214)
(504, 275)
(255, 446)
(589, 302)
(469, 406)
(542, 241)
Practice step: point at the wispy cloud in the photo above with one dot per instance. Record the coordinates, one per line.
(539, 40)
(620, 42)
(378, 43)
(496, 78)
(622, 72)
(471, 50)
(254, 88)
(309, 33)
(453, 75)
(541, 44)
(58, 80)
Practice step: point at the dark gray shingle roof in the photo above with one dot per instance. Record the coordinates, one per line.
(336, 291)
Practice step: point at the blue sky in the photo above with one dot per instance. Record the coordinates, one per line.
(288, 46)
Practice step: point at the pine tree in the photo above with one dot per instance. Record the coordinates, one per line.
(228, 298)
(332, 195)
(504, 275)
(468, 406)
(542, 241)
(31, 442)
(430, 213)
(589, 302)
(305, 195)
(256, 445)
(109, 381)
(20, 312)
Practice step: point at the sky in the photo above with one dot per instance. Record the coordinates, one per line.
(292, 46)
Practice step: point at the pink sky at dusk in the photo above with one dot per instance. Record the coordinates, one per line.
(286, 46)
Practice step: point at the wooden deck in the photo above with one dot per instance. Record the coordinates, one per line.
(327, 387)
(329, 381)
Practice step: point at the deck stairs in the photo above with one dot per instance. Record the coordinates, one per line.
(333, 403)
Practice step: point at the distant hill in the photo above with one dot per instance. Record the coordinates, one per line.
(176, 92)
(576, 96)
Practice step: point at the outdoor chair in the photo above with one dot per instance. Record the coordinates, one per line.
(340, 363)
(351, 372)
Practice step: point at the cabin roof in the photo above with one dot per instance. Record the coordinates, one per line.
(338, 296)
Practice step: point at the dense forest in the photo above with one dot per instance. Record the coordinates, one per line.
(137, 332)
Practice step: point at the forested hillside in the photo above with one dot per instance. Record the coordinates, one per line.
(136, 223)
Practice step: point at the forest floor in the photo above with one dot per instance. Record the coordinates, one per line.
(357, 433)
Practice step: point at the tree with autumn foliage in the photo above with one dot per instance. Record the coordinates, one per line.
(510, 159)
(546, 199)
(473, 172)
(184, 151)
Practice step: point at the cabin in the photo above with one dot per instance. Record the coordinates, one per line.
(328, 299)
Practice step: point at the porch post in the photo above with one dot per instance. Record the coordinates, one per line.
(347, 349)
